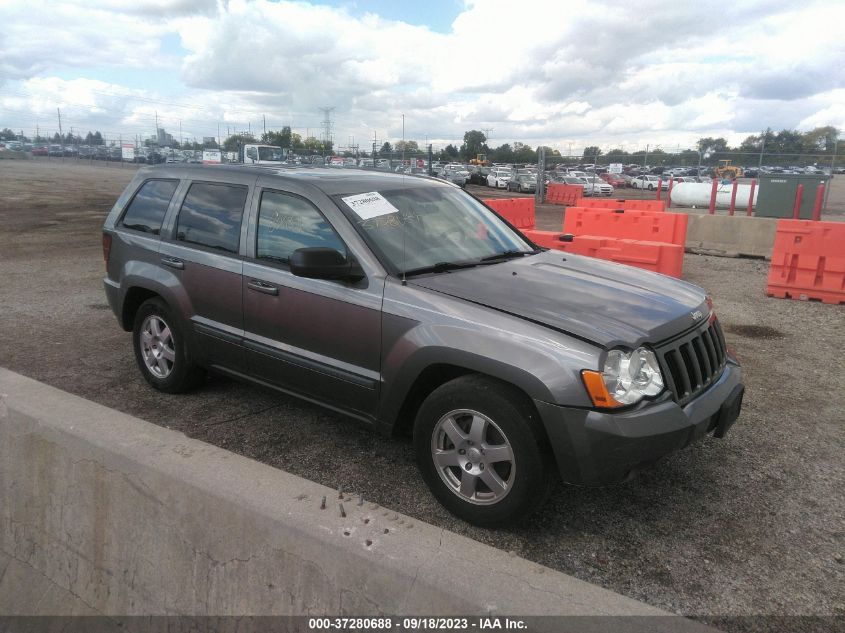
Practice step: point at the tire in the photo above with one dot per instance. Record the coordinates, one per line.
(161, 350)
(651, 187)
(465, 422)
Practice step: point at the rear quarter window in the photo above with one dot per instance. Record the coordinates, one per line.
(148, 207)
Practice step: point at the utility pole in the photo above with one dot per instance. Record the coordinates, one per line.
(762, 147)
(59, 112)
(403, 139)
(645, 158)
(541, 168)
(264, 117)
(832, 167)
(180, 134)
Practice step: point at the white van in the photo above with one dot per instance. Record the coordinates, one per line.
(264, 154)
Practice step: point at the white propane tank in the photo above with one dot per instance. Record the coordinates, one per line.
(697, 194)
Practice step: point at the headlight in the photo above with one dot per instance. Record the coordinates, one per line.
(627, 378)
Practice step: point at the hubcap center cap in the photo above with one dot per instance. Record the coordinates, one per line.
(474, 455)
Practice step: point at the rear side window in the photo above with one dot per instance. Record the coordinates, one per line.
(147, 209)
(286, 223)
(211, 216)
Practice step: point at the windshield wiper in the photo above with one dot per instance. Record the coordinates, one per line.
(439, 267)
(506, 255)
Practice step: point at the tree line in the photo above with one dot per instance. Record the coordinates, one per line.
(782, 147)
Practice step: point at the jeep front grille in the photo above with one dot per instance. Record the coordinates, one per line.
(693, 362)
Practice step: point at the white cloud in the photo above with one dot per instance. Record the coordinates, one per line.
(575, 72)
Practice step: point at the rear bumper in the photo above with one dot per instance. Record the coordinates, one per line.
(112, 290)
(595, 448)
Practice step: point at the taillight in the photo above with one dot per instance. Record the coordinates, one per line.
(106, 247)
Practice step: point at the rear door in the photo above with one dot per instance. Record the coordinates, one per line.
(204, 253)
(317, 338)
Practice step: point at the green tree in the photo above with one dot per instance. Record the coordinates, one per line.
(501, 154)
(591, 153)
(820, 139)
(7, 135)
(386, 148)
(474, 143)
(296, 141)
(451, 152)
(617, 156)
(788, 142)
(409, 147)
(232, 143)
(524, 154)
(279, 138)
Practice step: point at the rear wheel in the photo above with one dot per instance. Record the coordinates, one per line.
(481, 451)
(161, 350)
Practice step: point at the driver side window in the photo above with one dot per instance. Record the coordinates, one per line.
(286, 223)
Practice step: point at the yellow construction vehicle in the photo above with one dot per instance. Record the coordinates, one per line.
(480, 159)
(726, 170)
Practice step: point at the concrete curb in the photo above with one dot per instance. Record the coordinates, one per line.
(733, 236)
(132, 518)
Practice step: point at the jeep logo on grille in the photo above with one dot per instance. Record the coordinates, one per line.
(696, 315)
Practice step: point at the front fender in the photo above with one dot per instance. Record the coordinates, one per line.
(422, 328)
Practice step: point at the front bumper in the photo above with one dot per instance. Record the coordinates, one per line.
(594, 448)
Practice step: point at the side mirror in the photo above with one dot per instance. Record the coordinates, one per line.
(319, 262)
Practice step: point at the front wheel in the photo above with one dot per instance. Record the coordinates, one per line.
(481, 450)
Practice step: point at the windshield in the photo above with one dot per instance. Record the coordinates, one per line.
(420, 227)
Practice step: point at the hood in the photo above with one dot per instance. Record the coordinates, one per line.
(598, 301)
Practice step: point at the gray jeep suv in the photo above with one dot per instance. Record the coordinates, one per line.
(407, 303)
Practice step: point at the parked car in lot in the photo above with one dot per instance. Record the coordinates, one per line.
(40, 150)
(479, 176)
(614, 180)
(499, 178)
(597, 186)
(455, 174)
(522, 183)
(649, 182)
(572, 180)
(409, 305)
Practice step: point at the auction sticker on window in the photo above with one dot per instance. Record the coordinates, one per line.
(369, 205)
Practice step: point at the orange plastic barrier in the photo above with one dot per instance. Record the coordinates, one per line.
(668, 228)
(808, 261)
(557, 193)
(517, 211)
(619, 203)
(655, 256)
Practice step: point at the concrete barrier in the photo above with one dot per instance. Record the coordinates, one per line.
(731, 235)
(125, 517)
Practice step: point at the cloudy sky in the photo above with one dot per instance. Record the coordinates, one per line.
(565, 73)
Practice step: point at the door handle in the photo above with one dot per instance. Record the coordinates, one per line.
(262, 286)
(173, 262)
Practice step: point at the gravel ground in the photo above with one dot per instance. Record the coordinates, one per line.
(750, 525)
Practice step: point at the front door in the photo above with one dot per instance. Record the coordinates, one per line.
(315, 337)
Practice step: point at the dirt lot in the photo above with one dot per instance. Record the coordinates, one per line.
(750, 525)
